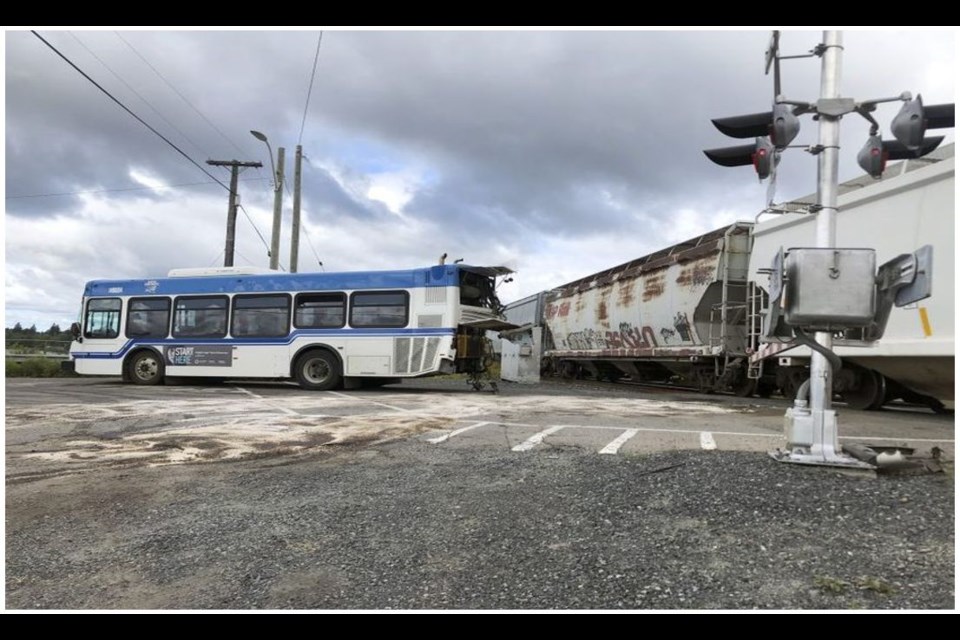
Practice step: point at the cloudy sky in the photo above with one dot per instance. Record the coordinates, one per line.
(555, 153)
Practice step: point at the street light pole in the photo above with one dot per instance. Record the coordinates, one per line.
(277, 199)
(277, 205)
(295, 229)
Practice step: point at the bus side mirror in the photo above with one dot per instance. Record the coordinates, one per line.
(75, 331)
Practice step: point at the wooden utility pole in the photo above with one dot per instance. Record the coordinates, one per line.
(232, 205)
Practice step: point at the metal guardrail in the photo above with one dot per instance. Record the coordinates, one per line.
(37, 350)
(20, 357)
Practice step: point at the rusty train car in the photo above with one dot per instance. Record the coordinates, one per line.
(680, 312)
(693, 313)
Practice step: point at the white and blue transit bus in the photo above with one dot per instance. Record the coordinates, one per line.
(322, 329)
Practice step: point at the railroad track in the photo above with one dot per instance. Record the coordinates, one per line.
(896, 405)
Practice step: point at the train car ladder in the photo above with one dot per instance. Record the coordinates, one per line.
(756, 302)
(724, 317)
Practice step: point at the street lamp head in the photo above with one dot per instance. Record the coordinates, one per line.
(259, 136)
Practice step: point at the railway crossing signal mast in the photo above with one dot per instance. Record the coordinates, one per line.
(820, 292)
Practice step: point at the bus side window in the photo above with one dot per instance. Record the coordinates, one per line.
(261, 316)
(320, 311)
(138, 323)
(200, 317)
(379, 309)
(148, 317)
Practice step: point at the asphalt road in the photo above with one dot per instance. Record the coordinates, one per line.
(429, 496)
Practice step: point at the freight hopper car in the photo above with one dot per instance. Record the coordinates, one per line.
(693, 313)
(678, 314)
(913, 205)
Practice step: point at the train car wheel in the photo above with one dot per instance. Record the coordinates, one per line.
(745, 387)
(765, 390)
(869, 392)
(881, 398)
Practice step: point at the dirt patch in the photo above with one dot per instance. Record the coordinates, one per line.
(243, 427)
(247, 428)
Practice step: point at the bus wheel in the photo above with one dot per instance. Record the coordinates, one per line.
(145, 367)
(317, 370)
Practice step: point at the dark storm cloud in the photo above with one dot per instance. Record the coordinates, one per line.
(323, 193)
(506, 144)
(530, 118)
(519, 125)
(59, 122)
(546, 132)
(527, 123)
(542, 109)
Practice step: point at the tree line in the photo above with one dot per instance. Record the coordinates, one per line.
(30, 340)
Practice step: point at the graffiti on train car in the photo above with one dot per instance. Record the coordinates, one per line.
(585, 340)
(681, 331)
(682, 325)
(626, 337)
(631, 337)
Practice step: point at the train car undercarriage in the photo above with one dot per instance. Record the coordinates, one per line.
(858, 387)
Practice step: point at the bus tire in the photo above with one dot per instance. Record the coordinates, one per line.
(317, 370)
(145, 367)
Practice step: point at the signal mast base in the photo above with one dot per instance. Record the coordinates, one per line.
(812, 439)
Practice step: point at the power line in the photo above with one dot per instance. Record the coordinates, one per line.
(249, 261)
(137, 93)
(127, 109)
(117, 190)
(182, 97)
(217, 259)
(312, 248)
(313, 74)
(253, 224)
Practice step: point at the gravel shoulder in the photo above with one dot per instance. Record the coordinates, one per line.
(409, 525)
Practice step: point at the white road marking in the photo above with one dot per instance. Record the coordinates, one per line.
(382, 404)
(707, 442)
(536, 439)
(205, 412)
(619, 441)
(455, 432)
(289, 412)
(866, 438)
(665, 430)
